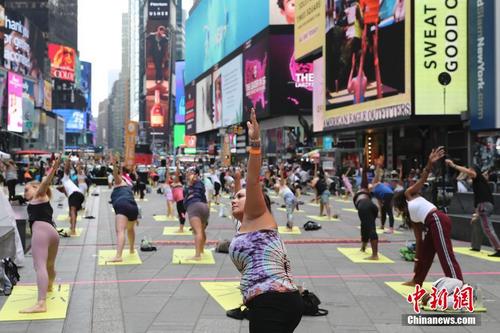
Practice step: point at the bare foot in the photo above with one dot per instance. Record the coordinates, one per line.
(409, 283)
(180, 231)
(72, 232)
(195, 258)
(363, 248)
(37, 308)
(115, 259)
(372, 257)
(132, 251)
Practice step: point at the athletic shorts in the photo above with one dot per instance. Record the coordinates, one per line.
(324, 197)
(200, 210)
(127, 208)
(217, 188)
(76, 200)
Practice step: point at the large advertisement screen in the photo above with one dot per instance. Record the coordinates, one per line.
(180, 98)
(309, 26)
(228, 92)
(62, 62)
(440, 57)
(75, 120)
(190, 91)
(318, 99)
(3, 85)
(218, 27)
(255, 79)
(158, 73)
(179, 134)
(282, 11)
(29, 121)
(24, 46)
(86, 83)
(367, 63)
(15, 103)
(205, 115)
(291, 82)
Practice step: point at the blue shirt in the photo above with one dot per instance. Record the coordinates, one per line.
(381, 191)
(195, 193)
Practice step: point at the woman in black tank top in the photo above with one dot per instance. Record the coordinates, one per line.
(44, 239)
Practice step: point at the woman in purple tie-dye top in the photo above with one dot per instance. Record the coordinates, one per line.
(273, 300)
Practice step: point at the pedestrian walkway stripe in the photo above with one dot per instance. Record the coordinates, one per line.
(24, 296)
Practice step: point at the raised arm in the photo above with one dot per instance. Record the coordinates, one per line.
(67, 166)
(255, 205)
(237, 181)
(435, 155)
(116, 170)
(282, 175)
(379, 170)
(469, 172)
(47, 181)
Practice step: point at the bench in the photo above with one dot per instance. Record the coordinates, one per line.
(460, 211)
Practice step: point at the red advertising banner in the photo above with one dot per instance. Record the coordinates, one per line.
(62, 62)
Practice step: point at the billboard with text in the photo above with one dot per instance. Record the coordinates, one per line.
(62, 62)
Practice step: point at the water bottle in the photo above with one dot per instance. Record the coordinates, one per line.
(478, 298)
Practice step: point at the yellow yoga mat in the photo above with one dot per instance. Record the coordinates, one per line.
(26, 296)
(342, 200)
(128, 259)
(406, 290)
(380, 231)
(322, 218)
(295, 211)
(481, 255)
(181, 257)
(355, 255)
(164, 218)
(353, 210)
(227, 294)
(172, 231)
(313, 204)
(142, 200)
(213, 210)
(285, 230)
(78, 231)
(63, 217)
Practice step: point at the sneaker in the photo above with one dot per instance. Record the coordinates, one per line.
(496, 254)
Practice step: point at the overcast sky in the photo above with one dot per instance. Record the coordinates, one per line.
(99, 41)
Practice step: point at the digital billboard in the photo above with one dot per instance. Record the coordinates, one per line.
(179, 134)
(483, 69)
(3, 85)
(180, 99)
(190, 92)
(47, 96)
(309, 26)
(318, 99)
(29, 120)
(367, 62)
(205, 117)
(217, 27)
(255, 79)
(62, 62)
(282, 11)
(159, 10)
(158, 73)
(228, 92)
(440, 57)
(86, 83)
(291, 82)
(23, 46)
(15, 103)
(75, 120)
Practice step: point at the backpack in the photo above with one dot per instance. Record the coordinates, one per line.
(10, 269)
(312, 225)
(311, 304)
(147, 246)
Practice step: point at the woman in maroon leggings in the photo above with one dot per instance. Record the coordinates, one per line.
(44, 239)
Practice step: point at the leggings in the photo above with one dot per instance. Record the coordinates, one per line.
(484, 210)
(367, 212)
(275, 312)
(11, 186)
(181, 211)
(44, 244)
(386, 209)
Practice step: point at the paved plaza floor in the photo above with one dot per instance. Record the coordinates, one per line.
(160, 295)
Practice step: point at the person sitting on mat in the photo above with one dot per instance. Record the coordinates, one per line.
(257, 251)
(74, 194)
(367, 212)
(422, 215)
(44, 239)
(484, 205)
(126, 210)
(195, 202)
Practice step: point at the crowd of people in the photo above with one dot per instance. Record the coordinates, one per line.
(268, 288)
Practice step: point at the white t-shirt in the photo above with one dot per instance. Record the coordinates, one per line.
(69, 186)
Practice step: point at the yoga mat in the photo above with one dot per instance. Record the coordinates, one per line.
(63, 217)
(284, 230)
(164, 218)
(322, 218)
(406, 290)
(213, 210)
(381, 232)
(227, 294)
(354, 210)
(142, 200)
(181, 257)
(481, 255)
(313, 204)
(26, 296)
(172, 231)
(78, 231)
(355, 255)
(128, 259)
(342, 200)
(295, 211)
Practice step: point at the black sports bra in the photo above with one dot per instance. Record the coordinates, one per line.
(40, 212)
